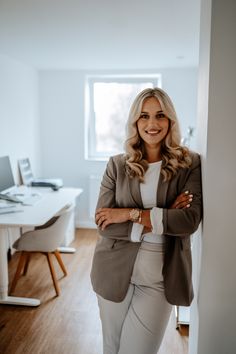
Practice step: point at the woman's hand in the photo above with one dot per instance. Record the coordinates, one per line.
(107, 216)
(183, 201)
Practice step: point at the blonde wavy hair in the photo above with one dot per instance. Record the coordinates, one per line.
(173, 155)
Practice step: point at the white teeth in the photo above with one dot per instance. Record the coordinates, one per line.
(152, 131)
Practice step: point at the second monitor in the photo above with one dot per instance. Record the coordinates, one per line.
(29, 180)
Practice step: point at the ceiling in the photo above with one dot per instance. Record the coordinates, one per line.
(100, 34)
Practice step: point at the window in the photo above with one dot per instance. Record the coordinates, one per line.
(108, 100)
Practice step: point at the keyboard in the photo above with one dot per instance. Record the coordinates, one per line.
(24, 199)
(9, 198)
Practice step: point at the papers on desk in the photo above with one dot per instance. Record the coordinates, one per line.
(8, 207)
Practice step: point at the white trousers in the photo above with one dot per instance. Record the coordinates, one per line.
(137, 324)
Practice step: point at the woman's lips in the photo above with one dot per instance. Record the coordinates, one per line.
(152, 132)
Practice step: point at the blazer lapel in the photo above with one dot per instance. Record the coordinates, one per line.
(134, 186)
(162, 192)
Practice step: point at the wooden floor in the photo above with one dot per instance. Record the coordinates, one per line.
(68, 323)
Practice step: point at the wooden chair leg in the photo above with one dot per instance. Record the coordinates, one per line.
(28, 254)
(59, 259)
(53, 274)
(18, 271)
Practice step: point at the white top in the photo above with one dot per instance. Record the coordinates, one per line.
(148, 191)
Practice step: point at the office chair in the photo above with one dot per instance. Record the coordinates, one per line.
(44, 239)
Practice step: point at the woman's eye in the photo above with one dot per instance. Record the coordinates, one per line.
(144, 116)
(161, 115)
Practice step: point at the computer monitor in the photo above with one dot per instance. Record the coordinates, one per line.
(6, 175)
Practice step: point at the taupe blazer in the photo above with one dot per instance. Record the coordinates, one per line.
(115, 254)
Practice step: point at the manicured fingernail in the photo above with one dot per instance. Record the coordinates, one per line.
(186, 192)
(191, 195)
(188, 205)
(190, 199)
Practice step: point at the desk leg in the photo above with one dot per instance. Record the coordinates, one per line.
(4, 298)
(65, 249)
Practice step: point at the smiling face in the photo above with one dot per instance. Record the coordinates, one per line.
(152, 125)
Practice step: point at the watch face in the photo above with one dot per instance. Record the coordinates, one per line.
(134, 214)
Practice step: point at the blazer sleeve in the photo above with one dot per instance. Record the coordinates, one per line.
(184, 222)
(107, 199)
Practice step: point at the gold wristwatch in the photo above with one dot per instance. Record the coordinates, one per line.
(135, 215)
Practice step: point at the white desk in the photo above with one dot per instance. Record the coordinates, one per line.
(50, 204)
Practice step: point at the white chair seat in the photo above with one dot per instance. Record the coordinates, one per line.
(46, 239)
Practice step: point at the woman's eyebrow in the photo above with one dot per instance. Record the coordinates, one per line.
(161, 111)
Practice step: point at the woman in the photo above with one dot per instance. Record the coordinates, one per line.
(149, 205)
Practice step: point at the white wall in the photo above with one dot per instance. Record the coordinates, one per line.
(61, 96)
(19, 118)
(216, 301)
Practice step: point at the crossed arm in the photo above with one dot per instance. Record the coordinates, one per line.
(107, 216)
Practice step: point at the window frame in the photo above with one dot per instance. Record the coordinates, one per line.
(90, 131)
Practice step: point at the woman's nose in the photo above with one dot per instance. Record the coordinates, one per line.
(153, 120)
